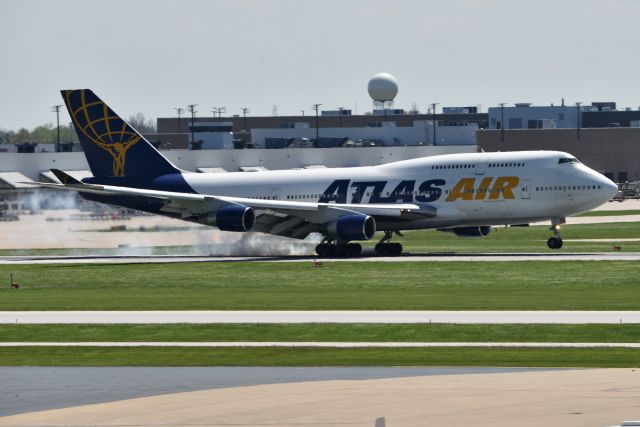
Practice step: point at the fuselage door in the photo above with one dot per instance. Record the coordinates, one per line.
(481, 165)
(525, 191)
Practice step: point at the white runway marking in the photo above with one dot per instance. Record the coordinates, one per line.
(163, 317)
(318, 344)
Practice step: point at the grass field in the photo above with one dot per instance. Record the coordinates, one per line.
(238, 356)
(321, 332)
(611, 213)
(244, 356)
(527, 285)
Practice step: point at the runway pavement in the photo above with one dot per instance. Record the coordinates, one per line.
(431, 257)
(164, 317)
(323, 344)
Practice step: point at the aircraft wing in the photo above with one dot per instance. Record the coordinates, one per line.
(281, 217)
(298, 219)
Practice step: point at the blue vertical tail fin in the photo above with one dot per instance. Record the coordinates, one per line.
(111, 145)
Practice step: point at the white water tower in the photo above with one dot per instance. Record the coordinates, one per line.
(383, 88)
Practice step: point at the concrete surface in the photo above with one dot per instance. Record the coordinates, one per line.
(320, 316)
(319, 344)
(28, 389)
(584, 398)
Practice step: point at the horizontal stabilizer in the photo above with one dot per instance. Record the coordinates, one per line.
(65, 178)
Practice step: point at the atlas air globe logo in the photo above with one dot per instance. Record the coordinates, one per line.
(101, 126)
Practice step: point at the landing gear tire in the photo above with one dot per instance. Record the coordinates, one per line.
(327, 250)
(355, 249)
(321, 250)
(388, 249)
(554, 242)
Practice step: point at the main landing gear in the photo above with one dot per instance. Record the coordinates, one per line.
(385, 248)
(332, 248)
(555, 242)
(338, 250)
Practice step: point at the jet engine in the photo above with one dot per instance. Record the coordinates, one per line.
(353, 227)
(235, 218)
(482, 231)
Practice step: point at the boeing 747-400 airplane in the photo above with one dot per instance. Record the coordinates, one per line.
(462, 193)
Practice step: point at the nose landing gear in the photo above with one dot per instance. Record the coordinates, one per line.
(385, 248)
(555, 242)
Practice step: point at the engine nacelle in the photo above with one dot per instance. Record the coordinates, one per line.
(482, 231)
(353, 227)
(235, 218)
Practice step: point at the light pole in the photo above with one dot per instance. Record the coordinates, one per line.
(192, 109)
(56, 109)
(433, 106)
(316, 107)
(302, 111)
(179, 110)
(245, 110)
(426, 126)
(502, 104)
(218, 110)
(578, 125)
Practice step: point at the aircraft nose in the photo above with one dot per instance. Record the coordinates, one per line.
(608, 187)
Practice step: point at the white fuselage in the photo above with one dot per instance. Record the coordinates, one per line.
(470, 189)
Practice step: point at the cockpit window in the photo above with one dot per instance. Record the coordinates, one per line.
(568, 160)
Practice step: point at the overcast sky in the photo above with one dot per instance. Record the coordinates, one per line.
(152, 55)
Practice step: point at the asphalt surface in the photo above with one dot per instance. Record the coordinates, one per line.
(28, 389)
(494, 317)
(435, 257)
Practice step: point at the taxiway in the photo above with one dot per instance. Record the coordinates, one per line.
(323, 344)
(275, 316)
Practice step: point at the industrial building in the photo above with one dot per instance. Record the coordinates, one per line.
(613, 152)
(383, 126)
(396, 129)
(597, 115)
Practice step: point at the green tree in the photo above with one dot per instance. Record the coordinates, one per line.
(68, 133)
(44, 134)
(23, 135)
(141, 124)
(5, 136)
